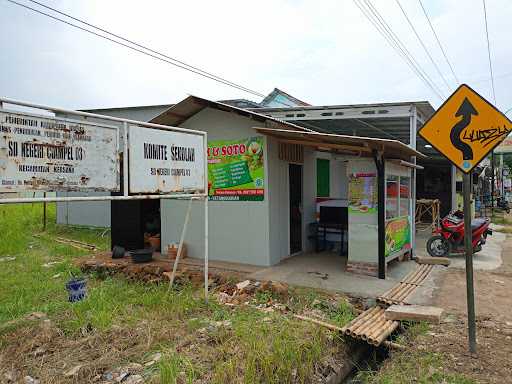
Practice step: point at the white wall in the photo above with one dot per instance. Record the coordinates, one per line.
(279, 205)
(87, 213)
(363, 236)
(238, 230)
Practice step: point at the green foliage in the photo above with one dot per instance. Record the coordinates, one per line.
(413, 366)
(416, 367)
(254, 347)
(174, 366)
(268, 349)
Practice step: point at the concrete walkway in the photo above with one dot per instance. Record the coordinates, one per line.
(327, 271)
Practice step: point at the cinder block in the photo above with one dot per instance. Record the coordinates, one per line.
(414, 313)
(433, 260)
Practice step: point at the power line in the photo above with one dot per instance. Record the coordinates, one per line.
(489, 53)
(404, 49)
(142, 46)
(151, 53)
(385, 31)
(423, 44)
(136, 49)
(439, 42)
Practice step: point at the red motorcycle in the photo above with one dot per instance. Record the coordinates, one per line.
(449, 237)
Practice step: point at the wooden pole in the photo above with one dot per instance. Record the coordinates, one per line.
(44, 213)
(180, 246)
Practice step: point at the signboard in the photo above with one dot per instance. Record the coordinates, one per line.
(398, 235)
(165, 161)
(363, 193)
(53, 154)
(236, 170)
(505, 146)
(466, 128)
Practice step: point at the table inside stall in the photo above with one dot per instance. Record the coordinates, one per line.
(332, 220)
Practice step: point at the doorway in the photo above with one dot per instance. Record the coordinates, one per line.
(295, 184)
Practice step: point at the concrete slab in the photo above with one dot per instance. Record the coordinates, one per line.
(414, 313)
(488, 258)
(327, 271)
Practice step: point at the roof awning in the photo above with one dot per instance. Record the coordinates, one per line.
(185, 109)
(343, 143)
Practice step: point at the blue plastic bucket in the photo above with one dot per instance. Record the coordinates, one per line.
(77, 289)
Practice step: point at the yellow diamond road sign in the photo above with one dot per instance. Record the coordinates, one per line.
(466, 128)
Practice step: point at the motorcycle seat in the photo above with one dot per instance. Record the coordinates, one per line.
(476, 223)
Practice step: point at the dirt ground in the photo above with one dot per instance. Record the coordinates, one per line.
(493, 289)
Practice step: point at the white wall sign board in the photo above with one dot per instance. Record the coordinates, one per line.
(53, 154)
(505, 146)
(165, 161)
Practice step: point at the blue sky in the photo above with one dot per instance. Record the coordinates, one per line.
(322, 52)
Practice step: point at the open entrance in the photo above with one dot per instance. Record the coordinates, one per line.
(136, 224)
(295, 183)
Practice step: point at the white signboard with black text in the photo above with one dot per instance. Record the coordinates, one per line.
(165, 161)
(54, 154)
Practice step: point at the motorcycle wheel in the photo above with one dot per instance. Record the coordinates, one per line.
(438, 246)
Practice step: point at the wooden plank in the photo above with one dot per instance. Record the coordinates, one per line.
(433, 260)
(414, 313)
(319, 322)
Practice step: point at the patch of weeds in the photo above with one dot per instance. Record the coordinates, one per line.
(263, 297)
(340, 313)
(417, 367)
(276, 351)
(174, 366)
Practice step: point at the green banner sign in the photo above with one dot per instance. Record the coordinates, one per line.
(398, 235)
(235, 169)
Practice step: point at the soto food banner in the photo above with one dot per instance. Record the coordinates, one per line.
(236, 170)
(363, 193)
(398, 235)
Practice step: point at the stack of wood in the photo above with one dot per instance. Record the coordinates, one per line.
(371, 326)
(400, 292)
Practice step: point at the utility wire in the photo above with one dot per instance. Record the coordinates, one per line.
(423, 44)
(386, 32)
(402, 45)
(393, 43)
(489, 53)
(439, 42)
(142, 46)
(151, 53)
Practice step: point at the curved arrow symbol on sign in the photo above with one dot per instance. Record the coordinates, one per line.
(466, 110)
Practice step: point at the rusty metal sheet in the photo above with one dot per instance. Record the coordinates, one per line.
(55, 154)
(165, 161)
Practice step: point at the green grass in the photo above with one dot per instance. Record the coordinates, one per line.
(413, 366)
(174, 366)
(255, 347)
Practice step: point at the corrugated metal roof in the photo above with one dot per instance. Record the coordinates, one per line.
(188, 107)
(346, 143)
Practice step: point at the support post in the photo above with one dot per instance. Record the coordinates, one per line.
(125, 159)
(502, 185)
(44, 213)
(381, 209)
(206, 219)
(492, 183)
(454, 187)
(180, 246)
(413, 128)
(206, 248)
(469, 264)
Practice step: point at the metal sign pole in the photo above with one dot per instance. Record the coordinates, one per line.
(469, 263)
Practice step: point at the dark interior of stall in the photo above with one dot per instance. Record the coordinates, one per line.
(434, 182)
(135, 224)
